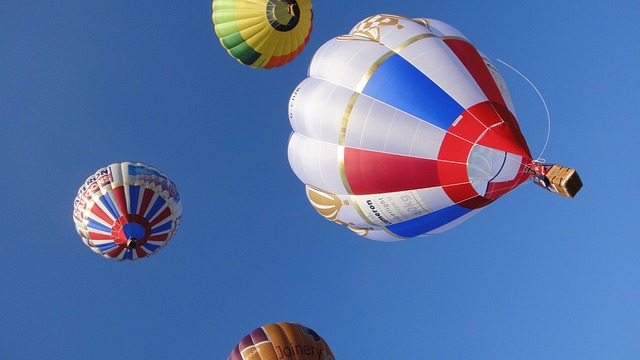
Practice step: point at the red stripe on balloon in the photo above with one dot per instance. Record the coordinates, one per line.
(147, 195)
(159, 237)
(504, 137)
(117, 251)
(140, 252)
(162, 216)
(121, 199)
(98, 212)
(487, 114)
(100, 236)
(371, 172)
(473, 62)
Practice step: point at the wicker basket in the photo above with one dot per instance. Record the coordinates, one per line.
(565, 181)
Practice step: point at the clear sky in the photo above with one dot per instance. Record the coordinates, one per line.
(534, 276)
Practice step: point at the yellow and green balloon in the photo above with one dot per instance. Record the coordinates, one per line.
(263, 33)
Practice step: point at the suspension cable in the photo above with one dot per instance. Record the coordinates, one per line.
(539, 159)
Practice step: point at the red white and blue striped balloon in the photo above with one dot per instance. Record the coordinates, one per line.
(404, 129)
(127, 211)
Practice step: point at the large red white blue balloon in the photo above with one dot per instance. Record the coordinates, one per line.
(404, 129)
(127, 211)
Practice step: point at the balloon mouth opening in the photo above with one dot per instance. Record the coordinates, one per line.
(283, 15)
(132, 243)
(131, 231)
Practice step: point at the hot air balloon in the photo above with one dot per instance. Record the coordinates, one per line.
(282, 341)
(127, 211)
(404, 129)
(263, 33)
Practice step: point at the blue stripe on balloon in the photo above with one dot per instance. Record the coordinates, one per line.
(428, 222)
(107, 246)
(92, 224)
(157, 205)
(134, 194)
(111, 207)
(164, 227)
(400, 84)
(151, 247)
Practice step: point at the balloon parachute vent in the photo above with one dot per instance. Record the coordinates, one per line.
(564, 181)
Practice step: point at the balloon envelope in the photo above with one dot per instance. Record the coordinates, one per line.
(404, 129)
(263, 33)
(127, 211)
(282, 341)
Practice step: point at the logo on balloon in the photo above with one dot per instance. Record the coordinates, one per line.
(371, 26)
(329, 205)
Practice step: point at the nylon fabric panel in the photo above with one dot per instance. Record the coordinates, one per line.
(455, 222)
(437, 62)
(97, 213)
(317, 108)
(110, 205)
(429, 222)
(147, 197)
(94, 225)
(163, 216)
(420, 45)
(485, 114)
(346, 62)
(502, 137)
(134, 197)
(398, 83)
(476, 66)
(376, 126)
(158, 204)
(502, 86)
(510, 119)
(161, 228)
(451, 34)
(326, 111)
(441, 28)
(121, 199)
(503, 130)
(454, 150)
(369, 215)
(316, 162)
(370, 172)
(379, 209)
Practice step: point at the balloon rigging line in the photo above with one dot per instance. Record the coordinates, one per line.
(539, 159)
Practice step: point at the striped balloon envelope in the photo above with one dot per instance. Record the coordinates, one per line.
(263, 33)
(404, 129)
(127, 211)
(282, 341)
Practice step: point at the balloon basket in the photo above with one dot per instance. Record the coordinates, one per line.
(564, 181)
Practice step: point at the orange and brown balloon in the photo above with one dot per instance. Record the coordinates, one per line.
(282, 341)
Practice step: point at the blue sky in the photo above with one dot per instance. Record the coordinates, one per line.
(534, 276)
